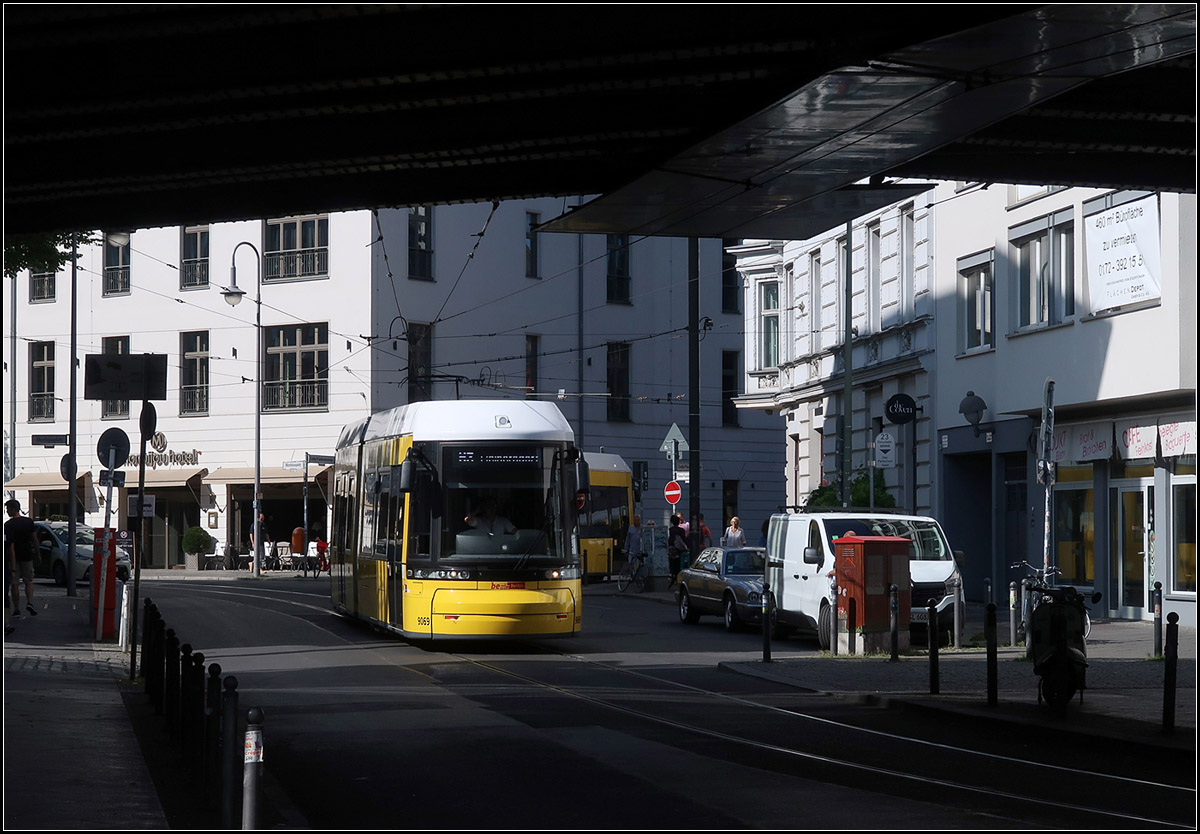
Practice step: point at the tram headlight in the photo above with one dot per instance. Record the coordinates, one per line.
(572, 572)
(440, 573)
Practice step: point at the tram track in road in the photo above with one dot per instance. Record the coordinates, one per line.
(983, 780)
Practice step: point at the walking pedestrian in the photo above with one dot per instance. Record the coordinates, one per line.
(21, 536)
(677, 544)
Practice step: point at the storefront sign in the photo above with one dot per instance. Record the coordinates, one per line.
(155, 460)
(1122, 249)
(1177, 437)
(1136, 439)
(1082, 442)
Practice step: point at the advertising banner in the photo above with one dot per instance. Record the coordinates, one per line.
(1122, 249)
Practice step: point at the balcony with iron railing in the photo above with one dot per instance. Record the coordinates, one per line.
(116, 280)
(295, 394)
(194, 273)
(296, 263)
(114, 409)
(41, 408)
(193, 399)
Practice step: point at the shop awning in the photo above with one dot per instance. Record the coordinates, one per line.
(1079, 442)
(268, 475)
(158, 478)
(34, 481)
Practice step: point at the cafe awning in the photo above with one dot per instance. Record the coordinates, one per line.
(159, 478)
(35, 481)
(268, 475)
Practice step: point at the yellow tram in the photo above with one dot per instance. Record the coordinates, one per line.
(605, 515)
(458, 520)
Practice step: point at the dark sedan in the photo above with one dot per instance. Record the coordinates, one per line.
(727, 581)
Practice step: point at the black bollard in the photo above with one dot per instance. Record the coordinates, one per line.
(852, 624)
(1012, 613)
(145, 643)
(229, 752)
(1158, 628)
(194, 717)
(182, 693)
(211, 771)
(1169, 673)
(932, 631)
(894, 593)
(766, 621)
(149, 640)
(252, 768)
(989, 637)
(833, 620)
(170, 701)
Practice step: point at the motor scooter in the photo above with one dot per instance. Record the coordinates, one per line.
(1057, 645)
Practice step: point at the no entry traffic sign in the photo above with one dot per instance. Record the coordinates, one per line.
(673, 492)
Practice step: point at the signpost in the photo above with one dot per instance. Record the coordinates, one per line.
(1045, 464)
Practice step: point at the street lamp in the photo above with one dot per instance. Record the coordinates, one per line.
(972, 408)
(233, 295)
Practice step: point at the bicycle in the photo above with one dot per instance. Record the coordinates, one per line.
(633, 573)
(1035, 589)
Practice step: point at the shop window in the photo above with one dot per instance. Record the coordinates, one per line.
(1183, 515)
(1075, 536)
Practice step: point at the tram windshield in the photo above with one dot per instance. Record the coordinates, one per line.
(503, 504)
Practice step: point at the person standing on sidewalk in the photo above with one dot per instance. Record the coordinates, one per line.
(21, 536)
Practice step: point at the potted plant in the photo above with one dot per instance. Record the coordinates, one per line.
(196, 542)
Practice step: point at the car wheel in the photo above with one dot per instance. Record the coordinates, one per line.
(60, 574)
(687, 614)
(824, 623)
(732, 622)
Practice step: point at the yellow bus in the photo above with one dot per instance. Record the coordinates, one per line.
(605, 515)
(458, 520)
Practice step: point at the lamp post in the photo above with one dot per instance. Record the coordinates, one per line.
(233, 295)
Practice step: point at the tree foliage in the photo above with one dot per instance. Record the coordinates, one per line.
(40, 253)
(829, 495)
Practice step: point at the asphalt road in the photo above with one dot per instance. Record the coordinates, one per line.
(629, 726)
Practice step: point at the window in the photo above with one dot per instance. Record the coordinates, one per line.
(296, 375)
(115, 409)
(872, 303)
(976, 310)
(814, 299)
(41, 382)
(908, 261)
(1183, 519)
(193, 373)
(296, 247)
(116, 266)
(618, 269)
(618, 382)
(420, 243)
(768, 328)
(531, 244)
(839, 315)
(731, 280)
(41, 286)
(730, 384)
(531, 366)
(193, 267)
(1045, 279)
(420, 362)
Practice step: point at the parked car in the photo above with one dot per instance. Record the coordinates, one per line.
(52, 542)
(727, 581)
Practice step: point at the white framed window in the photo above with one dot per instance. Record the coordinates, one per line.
(296, 247)
(193, 372)
(977, 316)
(193, 260)
(296, 372)
(618, 269)
(872, 302)
(41, 382)
(116, 267)
(908, 263)
(815, 300)
(619, 391)
(420, 362)
(41, 286)
(115, 409)
(1044, 261)
(768, 324)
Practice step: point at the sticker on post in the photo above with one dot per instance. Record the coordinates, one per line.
(254, 747)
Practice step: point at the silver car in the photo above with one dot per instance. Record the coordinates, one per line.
(727, 581)
(52, 543)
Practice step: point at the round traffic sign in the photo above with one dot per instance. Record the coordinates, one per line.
(116, 441)
(673, 493)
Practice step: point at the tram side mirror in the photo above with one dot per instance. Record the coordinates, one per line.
(406, 476)
(583, 476)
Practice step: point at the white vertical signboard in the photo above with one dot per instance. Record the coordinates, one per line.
(1122, 248)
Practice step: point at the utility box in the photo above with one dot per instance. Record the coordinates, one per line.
(865, 568)
(104, 600)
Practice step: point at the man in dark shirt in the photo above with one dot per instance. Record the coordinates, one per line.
(21, 544)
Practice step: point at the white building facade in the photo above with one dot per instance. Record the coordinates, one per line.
(363, 311)
(969, 298)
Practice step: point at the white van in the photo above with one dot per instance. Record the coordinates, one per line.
(800, 552)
